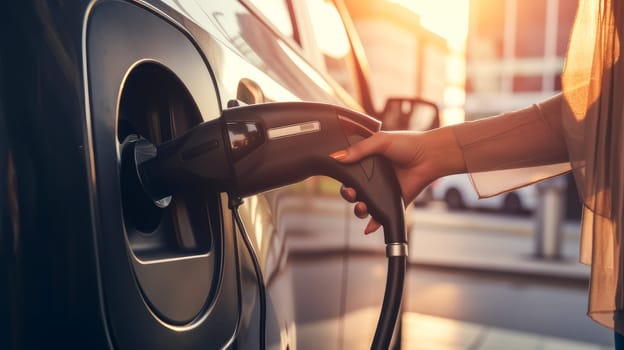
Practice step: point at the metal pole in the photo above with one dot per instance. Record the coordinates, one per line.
(549, 215)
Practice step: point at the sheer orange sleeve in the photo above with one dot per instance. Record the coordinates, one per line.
(514, 149)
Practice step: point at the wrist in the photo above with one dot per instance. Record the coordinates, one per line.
(443, 152)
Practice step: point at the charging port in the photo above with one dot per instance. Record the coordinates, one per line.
(176, 249)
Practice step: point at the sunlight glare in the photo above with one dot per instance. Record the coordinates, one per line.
(332, 28)
(435, 16)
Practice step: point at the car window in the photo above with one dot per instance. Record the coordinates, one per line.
(332, 40)
(277, 12)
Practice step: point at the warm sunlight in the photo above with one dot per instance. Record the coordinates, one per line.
(447, 18)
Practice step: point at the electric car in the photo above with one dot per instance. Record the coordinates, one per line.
(458, 193)
(86, 262)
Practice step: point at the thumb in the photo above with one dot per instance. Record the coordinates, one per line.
(368, 146)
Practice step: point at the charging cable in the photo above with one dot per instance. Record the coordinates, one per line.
(234, 203)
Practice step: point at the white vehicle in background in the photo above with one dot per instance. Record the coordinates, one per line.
(458, 193)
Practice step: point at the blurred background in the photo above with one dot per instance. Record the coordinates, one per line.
(499, 273)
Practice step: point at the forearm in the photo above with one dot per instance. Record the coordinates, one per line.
(443, 155)
(526, 138)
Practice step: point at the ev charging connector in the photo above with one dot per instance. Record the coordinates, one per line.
(251, 149)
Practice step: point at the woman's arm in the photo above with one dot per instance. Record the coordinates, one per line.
(525, 138)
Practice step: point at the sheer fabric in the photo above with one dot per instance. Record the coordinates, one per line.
(593, 89)
(581, 130)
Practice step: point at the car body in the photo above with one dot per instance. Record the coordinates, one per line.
(458, 192)
(85, 262)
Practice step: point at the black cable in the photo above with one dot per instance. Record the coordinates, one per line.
(391, 302)
(234, 203)
(393, 294)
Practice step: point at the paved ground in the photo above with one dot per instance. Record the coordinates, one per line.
(490, 242)
(482, 241)
(492, 293)
(436, 333)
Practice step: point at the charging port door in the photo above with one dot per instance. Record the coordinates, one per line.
(168, 275)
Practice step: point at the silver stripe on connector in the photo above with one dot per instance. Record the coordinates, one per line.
(396, 249)
(294, 130)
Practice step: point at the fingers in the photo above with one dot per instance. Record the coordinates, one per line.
(371, 227)
(348, 193)
(360, 210)
(375, 144)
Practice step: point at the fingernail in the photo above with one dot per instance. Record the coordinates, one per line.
(369, 228)
(339, 155)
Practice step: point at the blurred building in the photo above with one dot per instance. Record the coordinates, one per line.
(515, 53)
(405, 59)
(514, 57)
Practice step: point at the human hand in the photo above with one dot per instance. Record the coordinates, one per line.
(418, 158)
